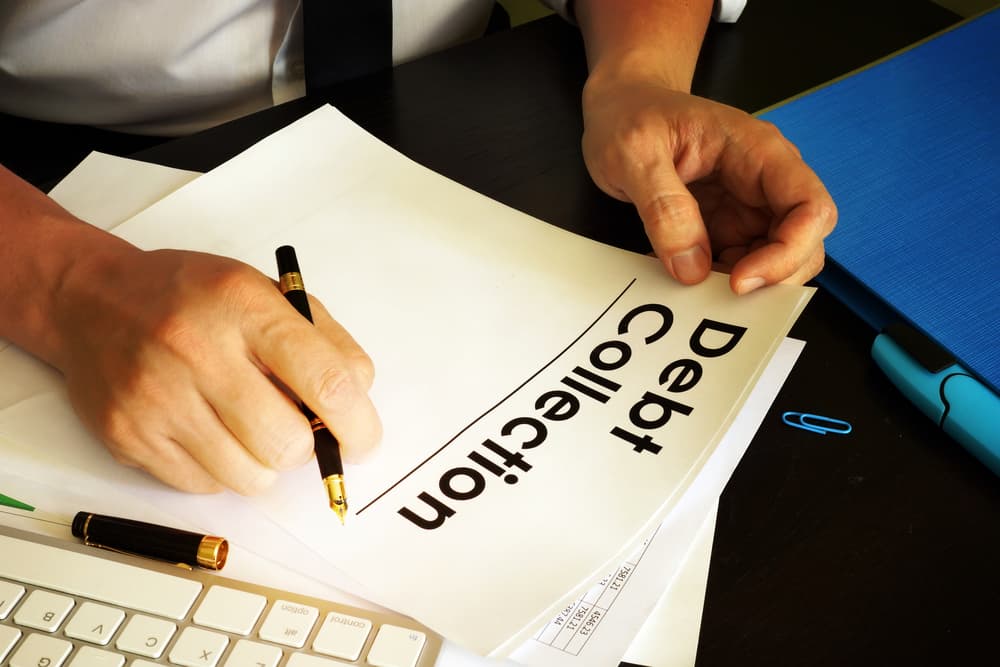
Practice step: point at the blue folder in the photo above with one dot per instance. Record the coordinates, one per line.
(909, 148)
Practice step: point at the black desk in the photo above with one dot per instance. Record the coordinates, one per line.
(879, 548)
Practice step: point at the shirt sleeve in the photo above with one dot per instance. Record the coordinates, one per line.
(725, 11)
(728, 11)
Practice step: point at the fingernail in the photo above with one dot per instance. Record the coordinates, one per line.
(691, 265)
(749, 284)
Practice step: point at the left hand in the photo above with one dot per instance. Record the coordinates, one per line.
(714, 186)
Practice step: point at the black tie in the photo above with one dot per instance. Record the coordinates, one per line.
(344, 39)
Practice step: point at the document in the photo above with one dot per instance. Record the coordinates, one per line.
(669, 629)
(670, 635)
(542, 394)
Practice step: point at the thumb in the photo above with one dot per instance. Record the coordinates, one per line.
(672, 220)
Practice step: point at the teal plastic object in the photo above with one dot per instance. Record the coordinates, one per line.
(960, 404)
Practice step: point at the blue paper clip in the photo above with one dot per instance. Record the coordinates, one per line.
(816, 423)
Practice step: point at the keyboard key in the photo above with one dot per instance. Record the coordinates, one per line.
(230, 610)
(253, 654)
(88, 656)
(42, 610)
(289, 623)
(40, 651)
(198, 648)
(146, 636)
(342, 636)
(9, 595)
(94, 623)
(306, 660)
(97, 578)
(396, 647)
(8, 637)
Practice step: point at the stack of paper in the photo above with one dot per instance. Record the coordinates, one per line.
(548, 401)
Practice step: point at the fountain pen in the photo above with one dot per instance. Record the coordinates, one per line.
(325, 444)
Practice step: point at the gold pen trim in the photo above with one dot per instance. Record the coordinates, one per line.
(212, 552)
(291, 281)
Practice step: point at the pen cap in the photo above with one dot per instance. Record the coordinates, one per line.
(150, 540)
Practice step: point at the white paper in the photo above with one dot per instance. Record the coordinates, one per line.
(669, 638)
(598, 627)
(445, 274)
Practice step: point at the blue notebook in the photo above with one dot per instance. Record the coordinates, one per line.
(910, 150)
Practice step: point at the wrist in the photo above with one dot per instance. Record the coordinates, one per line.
(635, 68)
(97, 265)
(53, 285)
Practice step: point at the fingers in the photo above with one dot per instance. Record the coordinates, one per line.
(794, 250)
(359, 363)
(672, 221)
(771, 174)
(142, 445)
(766, 211)
(203, 456)
(257, 418)
(169, 462)
(164, 427)
(730, 223)
(670, 214)
(331, 375)
(774, 254)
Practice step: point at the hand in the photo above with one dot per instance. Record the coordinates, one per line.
(714, 186)
(175, 359)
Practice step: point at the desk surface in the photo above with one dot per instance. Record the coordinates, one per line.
(876, 548)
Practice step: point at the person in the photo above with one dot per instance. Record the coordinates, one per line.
(175, 358)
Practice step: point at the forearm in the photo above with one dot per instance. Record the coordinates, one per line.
(42, 253)
(654, 40)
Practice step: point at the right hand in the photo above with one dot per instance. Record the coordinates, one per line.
(175, 360)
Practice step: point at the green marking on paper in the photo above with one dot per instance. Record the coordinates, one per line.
(7, 501)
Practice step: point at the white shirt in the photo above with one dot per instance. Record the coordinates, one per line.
(173, 67)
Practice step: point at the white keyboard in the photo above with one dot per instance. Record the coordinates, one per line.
(67, 605)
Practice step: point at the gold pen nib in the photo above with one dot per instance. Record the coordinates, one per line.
(335, 492)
